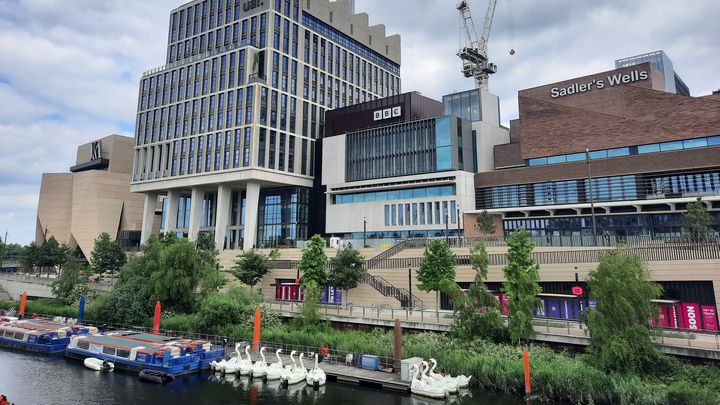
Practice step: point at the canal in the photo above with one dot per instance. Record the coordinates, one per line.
(38, 379)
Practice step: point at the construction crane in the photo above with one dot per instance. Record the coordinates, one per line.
(473, 52)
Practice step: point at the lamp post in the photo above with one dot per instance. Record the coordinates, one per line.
(364, 232)
(447, 239)
(592, 199)
(458, 224)
(410, 288)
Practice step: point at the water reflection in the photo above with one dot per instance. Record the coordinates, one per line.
(30, 378)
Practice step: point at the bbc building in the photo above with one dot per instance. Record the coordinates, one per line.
(227, 130)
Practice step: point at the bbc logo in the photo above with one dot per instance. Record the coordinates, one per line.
(387, 113)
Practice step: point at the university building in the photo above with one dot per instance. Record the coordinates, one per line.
(227, 129)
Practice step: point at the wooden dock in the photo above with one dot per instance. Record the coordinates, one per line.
(342, 373)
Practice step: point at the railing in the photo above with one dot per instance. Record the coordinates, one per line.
(101, 285)
(397, 248)
(386, 288)
(571, 241)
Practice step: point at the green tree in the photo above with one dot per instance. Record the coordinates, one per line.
(107, 256)
(619, 330)
(178, 274)
(206, 249)
(30, 256)
(309, 317)
(437, 270)
(485, 222)
(52, 254)
(312, 264)
(126, 304)
(347, 269)
(65, 285)
(251, 266)
(477, 312)
(3, 249)
(698, 219)
(521, 285)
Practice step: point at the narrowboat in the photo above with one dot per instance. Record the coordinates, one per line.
(134, 355)
(39, 335)
(203, 349)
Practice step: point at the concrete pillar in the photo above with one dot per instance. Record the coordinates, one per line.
(173, 198)
(148, 216)
(196, 202)
(252, 201)
(222, 214)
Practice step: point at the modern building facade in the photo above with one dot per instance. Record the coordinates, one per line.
(227, 129)
(661, 62)
(649, 153)
(403, 166)
(93, 198)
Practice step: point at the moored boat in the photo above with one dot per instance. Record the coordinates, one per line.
(154, 376)
(128, 354)
(98, 365)
(204, 350)
(39, 334)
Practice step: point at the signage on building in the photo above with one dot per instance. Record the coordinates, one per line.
(386, 113)
(577, 290)
(249, 5)
(709, 316)
(690, 315)
(611, 80)
(96, 150)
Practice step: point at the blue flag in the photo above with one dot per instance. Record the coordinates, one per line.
(81, 312)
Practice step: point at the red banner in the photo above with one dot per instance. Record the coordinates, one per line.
(709, 317)
(690, 316)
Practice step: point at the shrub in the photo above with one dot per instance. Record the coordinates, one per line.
(685, 393)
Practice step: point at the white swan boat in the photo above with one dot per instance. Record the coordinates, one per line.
(274, 371)
(424, 386)
(98, 365)
(296, 374)
(231, 365)
(451, 383)
(258, 368)
(246, 364)
(315, 377)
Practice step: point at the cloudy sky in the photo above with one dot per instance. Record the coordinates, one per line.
(69, 69)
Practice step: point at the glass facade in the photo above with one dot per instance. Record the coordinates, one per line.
(465, 105)
(283, 216)
(614, 188)
(399, 194)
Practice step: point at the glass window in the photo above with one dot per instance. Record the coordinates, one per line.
(618, 152)
(453, 212)
(406, 193)
(598, 154)
(537, 161)
(387, 215)
(444, 158)
(433, 191)
(556, 159)
(713, 140)
(393, 195)
(575, 157)
(442, 131)
(673, 145)
(655, 147)
(695, 143)
(419, 193)
(415, 213)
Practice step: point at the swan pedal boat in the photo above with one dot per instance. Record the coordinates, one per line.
(425, 387)
(316, 377)
(258, 368)
(275, 370)
(296, 374)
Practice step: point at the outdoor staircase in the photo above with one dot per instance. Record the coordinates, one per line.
(383, 286)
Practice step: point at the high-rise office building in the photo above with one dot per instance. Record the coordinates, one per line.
(660, 61)
(226, 130)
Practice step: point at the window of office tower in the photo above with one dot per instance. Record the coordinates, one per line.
(283, 216)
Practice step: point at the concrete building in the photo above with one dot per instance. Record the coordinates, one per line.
(227, 129)
(93, 198)
(661, 62)
(403, 165)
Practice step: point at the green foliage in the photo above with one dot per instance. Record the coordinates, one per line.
(485, 222)
(71, 282)
(207, 252)
(347, 268)
(126, 304)
(107, 256)
(686, 393)
(30, 256)
(521, 285)
(178, 274)
(477, 312)
(217, 310)
(312, 264)
(251, 266)
(182, 323)
(309, 317)
(619, 330)
(698, 219)
(3, 249)
(43, 306)
(437, 269)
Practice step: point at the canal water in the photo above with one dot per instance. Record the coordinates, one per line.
(38, 379)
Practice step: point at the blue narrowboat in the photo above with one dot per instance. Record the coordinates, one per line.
(134, 355)
(39, 335)
(203, 349)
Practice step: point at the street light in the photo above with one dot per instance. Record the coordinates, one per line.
(364, 232)
(592, 199)
(458, 224)
(410, 288)
(447, 240)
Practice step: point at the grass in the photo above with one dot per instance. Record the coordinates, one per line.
(45, 306)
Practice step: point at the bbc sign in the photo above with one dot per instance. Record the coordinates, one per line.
(387, 113)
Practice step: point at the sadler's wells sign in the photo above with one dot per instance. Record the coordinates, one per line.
(612, 80)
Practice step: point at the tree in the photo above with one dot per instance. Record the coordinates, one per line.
(619, 329)
(206, 249)
(309, 317)
(437, 270)
(312, 264)
(3, 249)
(126, 304)
(477, 312)
(107, 256)
(251, 266)
(73, 275)
(347, 269)
(698, 219)
(52, 253)
(30, 256)
(178, 274)
(521, 285)
(485, 222)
